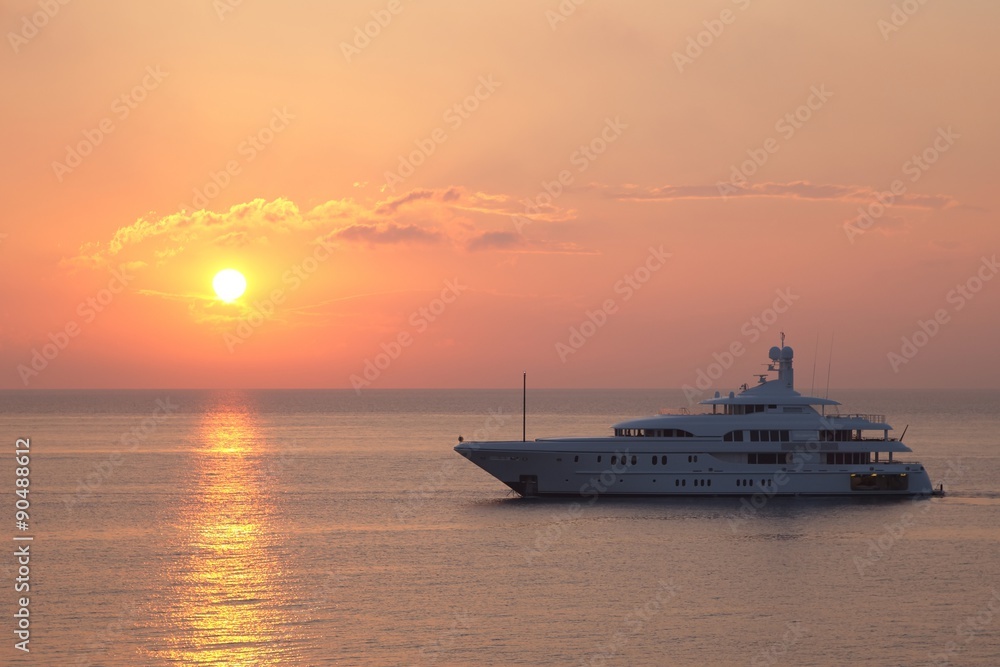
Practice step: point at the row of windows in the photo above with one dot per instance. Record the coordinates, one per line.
(749, 482)
(760, 458)
(653, 433)
(759, 436)
(848, 458)
(748, 409)
(662, 460)
(769, 436)
(768, 458)
(785, 436)
(694, 482)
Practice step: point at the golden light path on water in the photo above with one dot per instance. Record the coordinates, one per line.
(227, 600)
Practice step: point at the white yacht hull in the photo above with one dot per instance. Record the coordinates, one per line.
(532, 469)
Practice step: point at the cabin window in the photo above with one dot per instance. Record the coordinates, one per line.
(598, 459)
(576, 459)
(614, 460)
(663, 460)
(654, 460)
(633, 459)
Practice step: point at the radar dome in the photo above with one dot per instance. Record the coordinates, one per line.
(786, 353)
(775, 353)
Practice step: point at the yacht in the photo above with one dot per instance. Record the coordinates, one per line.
(766, 439)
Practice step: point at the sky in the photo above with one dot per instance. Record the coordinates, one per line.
(448, 194)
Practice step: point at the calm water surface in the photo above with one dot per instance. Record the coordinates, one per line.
(323, 528)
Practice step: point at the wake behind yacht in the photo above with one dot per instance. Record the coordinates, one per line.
(768, 438)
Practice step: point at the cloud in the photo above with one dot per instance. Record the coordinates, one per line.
(393, 204)
(389, 232)
(436, 215)
(494, 241)
(792, 190)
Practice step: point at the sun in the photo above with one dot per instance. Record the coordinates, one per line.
(229, 284)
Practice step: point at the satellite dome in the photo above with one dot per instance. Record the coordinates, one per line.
(786, 353)
(775, 353)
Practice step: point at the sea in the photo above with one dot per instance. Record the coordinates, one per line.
(326, 527)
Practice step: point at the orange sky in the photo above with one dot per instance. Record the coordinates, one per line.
(445, 202)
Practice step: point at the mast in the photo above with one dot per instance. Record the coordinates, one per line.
(524, 406)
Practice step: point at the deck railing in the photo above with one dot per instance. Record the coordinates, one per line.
(875, 419)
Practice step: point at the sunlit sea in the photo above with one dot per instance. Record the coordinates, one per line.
(326, 528)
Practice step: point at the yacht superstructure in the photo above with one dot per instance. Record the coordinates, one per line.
(767, 438)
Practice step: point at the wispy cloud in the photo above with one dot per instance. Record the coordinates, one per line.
(792, 190)
(388, 232)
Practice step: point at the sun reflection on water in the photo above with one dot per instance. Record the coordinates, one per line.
(226, 603)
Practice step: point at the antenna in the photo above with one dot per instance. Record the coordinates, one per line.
(524, 406)
(812, 385)
(829, 366)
